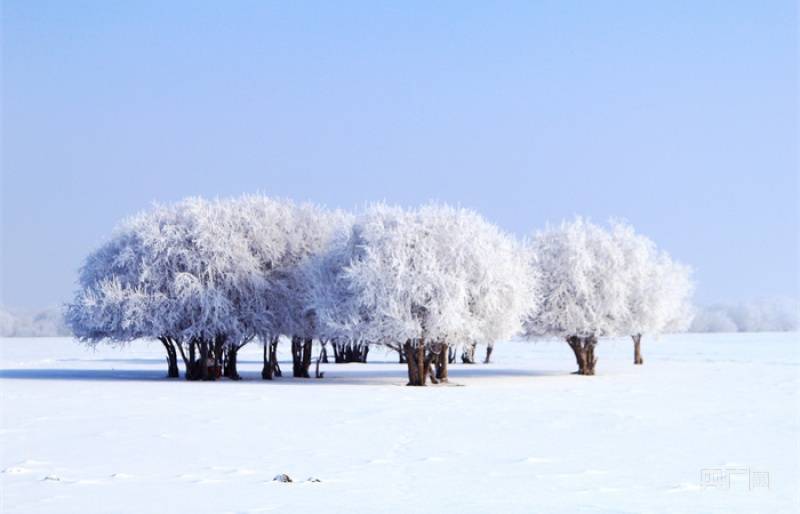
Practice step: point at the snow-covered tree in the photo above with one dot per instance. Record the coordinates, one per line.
(762, 315)
(658, 290)
(205, 278)
(422, 279)
(289, 279)
(7, 324)
(582, 288)
(501, 286)
(331, 300)
(47, 322)
(177, 273)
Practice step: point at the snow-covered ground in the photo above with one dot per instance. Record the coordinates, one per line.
(698, 428)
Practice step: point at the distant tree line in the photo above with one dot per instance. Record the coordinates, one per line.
(765, 315)
(206, 278)
(39, 323)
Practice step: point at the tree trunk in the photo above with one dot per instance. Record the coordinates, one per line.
(301, 357)
(186, 363)
(230, 363)
(273, 357)
(350, 351)
(323, 352)
(440, 361)
(417, 367)
(204, 356)
(637, 349)
(337, 356)
(452, 351)
(172, 357)
(191, 371)
(194, 366)
(297, 357)
(307, 347)
(219, 356)
(489, 349)
(266, 370)
(583, 347)
(468, 353)
(271, 367)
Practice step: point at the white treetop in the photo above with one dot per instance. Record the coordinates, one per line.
(658, 289)
(580, 269)
(435, 273)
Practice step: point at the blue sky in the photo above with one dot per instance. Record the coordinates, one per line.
(680, 117)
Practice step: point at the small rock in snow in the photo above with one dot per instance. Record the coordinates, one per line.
(313, 479)
(283, 477)
(52, 477)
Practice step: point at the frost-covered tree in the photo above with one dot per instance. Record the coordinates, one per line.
(289, 279)
(658, 290)
(332, 301)
(7, 324)
(582, 288)
(422, 279)
(394, 288)
(111, 304)
(501, 285)
(39, 323)
(205, 278)
(179, 273)
(762, 315)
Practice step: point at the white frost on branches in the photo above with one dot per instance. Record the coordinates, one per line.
(432, 274)
(582, 291)
(658, 289)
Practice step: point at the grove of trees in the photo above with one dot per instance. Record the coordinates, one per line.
(206, 278)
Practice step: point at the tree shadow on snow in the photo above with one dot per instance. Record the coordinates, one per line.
(83, 374)
(335, 374)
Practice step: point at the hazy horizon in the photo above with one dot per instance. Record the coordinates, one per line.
(680, 118)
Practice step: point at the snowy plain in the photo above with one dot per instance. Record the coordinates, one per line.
(698, 428)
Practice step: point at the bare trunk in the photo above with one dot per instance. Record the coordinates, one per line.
(301, 357)
(230, 363)
(583, 347)
(220, 355)
(350, 351)
(172, 357)
(271, 368)
(489, 349)
(266, 370)
(273, 357)
(440, 362)
(323, 353)
(195, 366)
(468, 353)
(308, 345)
(416, 361)
(637, 349)
(204, 356)
(186, 362)
(452, 351)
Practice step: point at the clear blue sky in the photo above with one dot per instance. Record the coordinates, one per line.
(680, 116)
